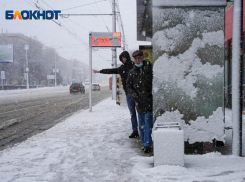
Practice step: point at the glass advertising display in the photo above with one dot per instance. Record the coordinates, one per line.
(188, 68)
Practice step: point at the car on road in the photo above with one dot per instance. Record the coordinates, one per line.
(95, 87)
(77, 87)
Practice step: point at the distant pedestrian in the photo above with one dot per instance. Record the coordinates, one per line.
(139, 87)
(123, 70)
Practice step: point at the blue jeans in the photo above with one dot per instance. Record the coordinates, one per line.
(131, 107)
(145, 127)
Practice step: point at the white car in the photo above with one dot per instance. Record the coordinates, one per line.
(95, 87)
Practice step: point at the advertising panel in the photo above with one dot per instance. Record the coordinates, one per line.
(50, 77)
(144, 20)
(6, 53)
(147, 52)
(189, 70)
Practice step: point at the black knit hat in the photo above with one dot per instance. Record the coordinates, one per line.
(137, 53)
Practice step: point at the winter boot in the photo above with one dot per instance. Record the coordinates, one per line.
(134, 135)
(147, 149)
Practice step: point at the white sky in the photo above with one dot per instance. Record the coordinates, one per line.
(67, 46)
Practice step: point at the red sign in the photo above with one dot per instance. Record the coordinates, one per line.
(116, 34)
(106, 39)
(229, 23)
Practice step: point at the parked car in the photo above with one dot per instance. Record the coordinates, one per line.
(96, 87)
(77, 87)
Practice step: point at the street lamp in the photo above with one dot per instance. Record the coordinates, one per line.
(27, 68)
(55, 71)
(83, 75)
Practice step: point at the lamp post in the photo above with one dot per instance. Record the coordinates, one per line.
(83, 75)
(27, 68)
(2, 78)
(55, 70)
(114, 53)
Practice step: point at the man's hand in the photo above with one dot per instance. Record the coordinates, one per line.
(96, 71)
(136, 99)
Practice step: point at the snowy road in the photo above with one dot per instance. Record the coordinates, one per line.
(27, 112)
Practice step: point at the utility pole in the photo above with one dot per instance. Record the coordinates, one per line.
(90, 73)
(114, 52)
(237, 59)
(83, 75)
(123, 34)
(27, 68)
(55, 70)
(2, 78)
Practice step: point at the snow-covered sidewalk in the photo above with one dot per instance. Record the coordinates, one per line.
(94, 146)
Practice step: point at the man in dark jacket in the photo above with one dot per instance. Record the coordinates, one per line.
(139, 87)
(123, 70)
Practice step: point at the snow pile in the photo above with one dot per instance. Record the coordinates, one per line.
(168, 146)
(208, 167)
(175, 29)
(173, 35)
(201, 130)
(168, 116)
(229, 133)
(183, 70)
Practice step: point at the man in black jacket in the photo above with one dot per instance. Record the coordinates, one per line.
(123, 70)
(139, 87)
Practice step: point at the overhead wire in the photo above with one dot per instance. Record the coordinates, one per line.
(78, 24)
(75, 35)
(36, 7)
(119, 20)
(30, 4)
(82, 5)
(61, 24)
(102, 17)
(110, 3)
(46, 4)
(121, 25)
(72, 29)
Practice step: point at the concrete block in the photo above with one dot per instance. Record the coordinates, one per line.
(168, 146)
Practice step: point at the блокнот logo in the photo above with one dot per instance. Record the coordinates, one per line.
(29, 15)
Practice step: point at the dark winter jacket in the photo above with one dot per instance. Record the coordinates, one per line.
(139, 86)
(123, 70)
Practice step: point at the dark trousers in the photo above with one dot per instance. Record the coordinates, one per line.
(145, 127)
(131, 107)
